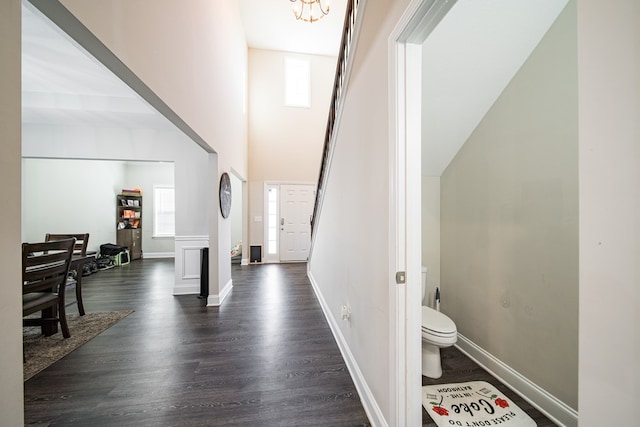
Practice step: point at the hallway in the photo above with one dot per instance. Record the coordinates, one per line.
(265, 358)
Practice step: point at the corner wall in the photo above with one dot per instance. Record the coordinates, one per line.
(509, 236)
(609, 167)
(11, 381)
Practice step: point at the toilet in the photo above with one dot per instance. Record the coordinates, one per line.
(438, 331)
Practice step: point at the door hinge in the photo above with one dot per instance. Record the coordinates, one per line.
(401, 277)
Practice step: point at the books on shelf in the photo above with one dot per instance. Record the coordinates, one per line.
(134, 192)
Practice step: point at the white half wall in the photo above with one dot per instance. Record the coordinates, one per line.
(188, 263)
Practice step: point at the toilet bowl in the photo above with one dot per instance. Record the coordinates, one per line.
(438, 331)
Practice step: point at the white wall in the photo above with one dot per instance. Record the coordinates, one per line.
(285, 143)
(193, 182)
(509, 209)
(11, 381)
(350, 258)
(70, 197)
(609, 167)
(146, 175)
(191, 161)
(431, 236)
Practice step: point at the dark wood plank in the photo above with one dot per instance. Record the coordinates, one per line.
(266, 357)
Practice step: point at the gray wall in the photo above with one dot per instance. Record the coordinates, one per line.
(509, 230)
(49, 206)
(146, 175)
(190, 161)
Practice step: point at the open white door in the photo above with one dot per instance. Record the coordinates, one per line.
(405, 88)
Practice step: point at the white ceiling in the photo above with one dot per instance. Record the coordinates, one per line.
(63, 85)
(270, 24)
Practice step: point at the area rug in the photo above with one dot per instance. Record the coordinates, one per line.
(41, 352)
(471, 404)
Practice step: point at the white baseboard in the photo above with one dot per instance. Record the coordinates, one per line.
(244, 261)
(217, 300)
(158, 255)
(554, 409)
(376, 417)
(186, 289)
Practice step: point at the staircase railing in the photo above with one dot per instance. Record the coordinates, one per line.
(342, 68)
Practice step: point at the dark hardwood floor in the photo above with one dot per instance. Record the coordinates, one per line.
(265, 358)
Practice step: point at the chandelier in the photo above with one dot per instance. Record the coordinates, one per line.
(309, 10)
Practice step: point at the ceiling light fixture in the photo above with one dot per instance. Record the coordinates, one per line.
(310, 10)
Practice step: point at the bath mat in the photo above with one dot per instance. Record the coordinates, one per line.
(471, 404)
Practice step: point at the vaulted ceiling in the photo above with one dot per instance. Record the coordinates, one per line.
(472, 55)
(62, 84)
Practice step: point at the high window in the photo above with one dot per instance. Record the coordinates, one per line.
(297, 82)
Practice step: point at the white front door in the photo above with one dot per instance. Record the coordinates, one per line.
(296, 207)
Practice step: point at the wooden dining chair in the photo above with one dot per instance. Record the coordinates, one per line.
(82, 240)
(45, 267)
(79, 249)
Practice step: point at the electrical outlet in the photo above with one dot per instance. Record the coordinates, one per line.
(346, 312)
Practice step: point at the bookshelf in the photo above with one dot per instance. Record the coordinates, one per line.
(129, 222)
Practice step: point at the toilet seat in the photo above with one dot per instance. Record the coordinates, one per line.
(437, 327)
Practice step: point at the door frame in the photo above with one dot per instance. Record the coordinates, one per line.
(405, 203)
(265, 221)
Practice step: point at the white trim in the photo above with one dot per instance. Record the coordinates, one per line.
(185, 289)
(404, 85)
(244, 261)
(148, 255)
(266, 256)
(193, 239)
(184, 251)
(369, 403)
(549, 405)
(217, 300)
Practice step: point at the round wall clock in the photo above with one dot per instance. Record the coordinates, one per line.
(225, 195)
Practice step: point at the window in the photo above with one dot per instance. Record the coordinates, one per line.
(164, 212)
(297, 82)
(272, 220)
